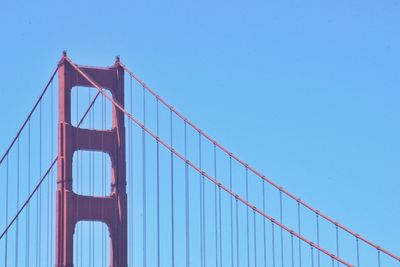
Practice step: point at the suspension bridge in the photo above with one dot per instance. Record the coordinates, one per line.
(121, 178)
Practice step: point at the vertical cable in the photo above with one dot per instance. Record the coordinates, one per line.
(81, 228)
(255, 238)
(40, 191)
(337, 242)
(292, 248)
(104, 182)
(172, 195)
(218, 203)
(76, 240)
(318, 252)
(37, 230)
(129, 170)
(379, 258)
(201, 205)
(299, 229)
(131, 228)
(273, 243)
(265, 232)
(358, 252)
(231, 203)
(187, 201)
(144, 183)
(237, 233)
(103, 178)
(6, 245)
(48, 211)
(17, 223)
(281, 220)
(220, 226)
(52, 172)
(90, 183)
(215, 208)
(158, 186)
(27, 256)
(312, 256)
(202, 264)
(247, 218)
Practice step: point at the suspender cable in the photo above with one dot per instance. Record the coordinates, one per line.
(247, 218)
(92, 184)
(215, 209)
(27, 256)
(312, 256)
(237, 234)
(231, 206)
(255, 238)
(17, 224)
(81, 231)
(52, 172)
(292, 248)
(89, 186)
(201, 186)
(40, 191)
(6, 245)
(80, 234)
(204, 220)
(158, 185)
(281, 220)
(144, 183)
(76, 240)
(358, 252)
(337, 243)
(48, 210)
(318, 252)
(131, 186)
(299, 229)
(264, 232)
(218, 204)
(379, 258)
(187, 202)
(220, 227)
(273, 243)
(103, 179)
(172, 195)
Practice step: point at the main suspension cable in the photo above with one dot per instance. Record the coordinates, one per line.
(25, 205)
(251, 168)
(28, 117)
(173, 151)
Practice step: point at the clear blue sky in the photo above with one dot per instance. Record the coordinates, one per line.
(306, 91)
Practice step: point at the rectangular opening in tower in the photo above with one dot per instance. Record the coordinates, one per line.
(91, 173)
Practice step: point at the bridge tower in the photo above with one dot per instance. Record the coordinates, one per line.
(71, 207)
